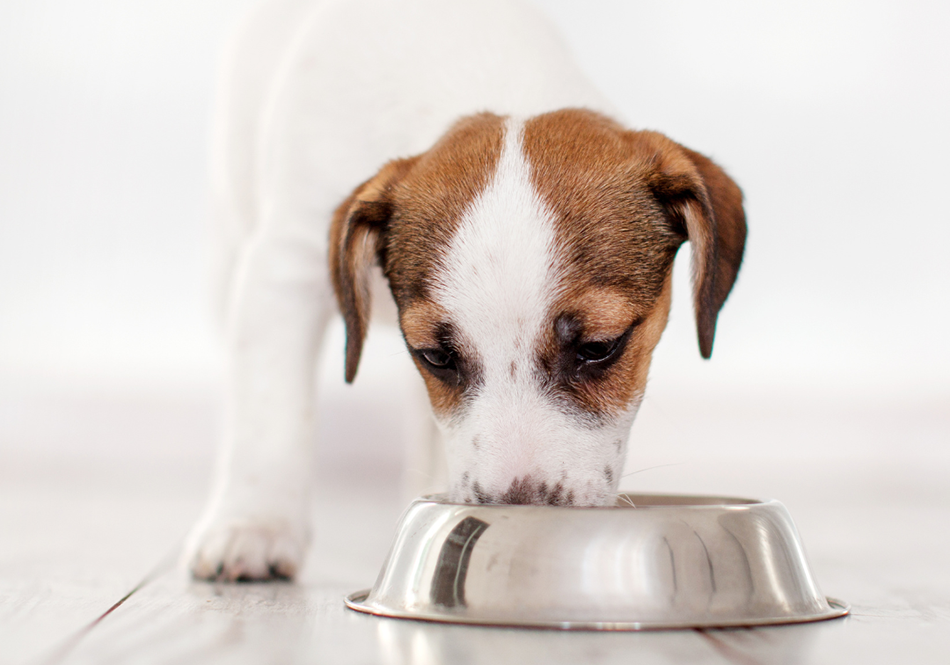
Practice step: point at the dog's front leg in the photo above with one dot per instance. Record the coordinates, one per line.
(256, 524)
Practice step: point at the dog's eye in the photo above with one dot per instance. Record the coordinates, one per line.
(437, 358)
(600, 354)
(443, 364)
(593, 352)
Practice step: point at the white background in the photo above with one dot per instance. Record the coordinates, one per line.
(832, 116)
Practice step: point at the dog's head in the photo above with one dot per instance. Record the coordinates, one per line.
(530, 262)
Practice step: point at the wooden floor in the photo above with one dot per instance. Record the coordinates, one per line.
(89, 535)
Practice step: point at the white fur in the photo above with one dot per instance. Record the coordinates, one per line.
(316, 96)
(498, 283)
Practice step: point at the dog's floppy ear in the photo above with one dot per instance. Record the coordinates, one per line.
(706, 205)
(357, 237)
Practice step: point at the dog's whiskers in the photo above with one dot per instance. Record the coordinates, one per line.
(625, 499)
(650, 468)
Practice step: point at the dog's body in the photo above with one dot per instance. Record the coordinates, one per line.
(527, 240)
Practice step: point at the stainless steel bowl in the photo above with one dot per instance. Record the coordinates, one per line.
(668, 562)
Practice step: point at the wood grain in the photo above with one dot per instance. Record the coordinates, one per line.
(79, 533)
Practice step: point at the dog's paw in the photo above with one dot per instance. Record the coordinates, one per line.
(245, 550)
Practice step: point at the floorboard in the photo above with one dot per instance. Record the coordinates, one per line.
(79, 533)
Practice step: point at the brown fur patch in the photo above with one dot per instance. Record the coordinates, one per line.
(423, 322)
(613, 231)
(431, 199)
(445, 398)
(624, 201)
(356, 234)
(420, 321)
(403, 217)
(604, 312)
(609, 392)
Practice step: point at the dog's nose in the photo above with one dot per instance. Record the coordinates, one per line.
(528, 491)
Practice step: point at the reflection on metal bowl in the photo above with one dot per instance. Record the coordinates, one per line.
(650, 562)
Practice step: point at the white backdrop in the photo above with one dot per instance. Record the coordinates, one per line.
(831, 115)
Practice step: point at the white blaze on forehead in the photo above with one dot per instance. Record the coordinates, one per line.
(497, 279)
(498, 282)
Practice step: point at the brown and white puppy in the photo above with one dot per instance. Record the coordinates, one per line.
(530, 260)
(526, 239)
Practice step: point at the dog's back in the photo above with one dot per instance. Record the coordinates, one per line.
(315, 94)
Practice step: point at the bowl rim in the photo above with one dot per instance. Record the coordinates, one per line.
(647, 500)
(357, 601)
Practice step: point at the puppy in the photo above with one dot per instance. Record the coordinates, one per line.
(525, 236)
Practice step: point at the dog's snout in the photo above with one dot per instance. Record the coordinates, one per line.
(527, 491)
